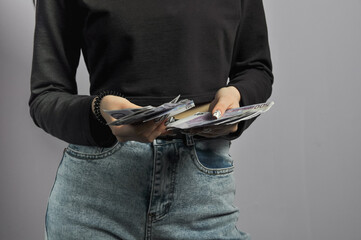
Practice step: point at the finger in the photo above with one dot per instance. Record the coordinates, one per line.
(123, 139)
(134, 131)
(129, 104)
(156, 129)
(124, 132)
(167, 132)
(225, 129)
(212, 105)
(148, 127)
(234, 128)
(194, 130)
(216, 131)
(163, 128)
(160, 127)
(220, 107)
(200, 131)
(118, 102)
(154, 135)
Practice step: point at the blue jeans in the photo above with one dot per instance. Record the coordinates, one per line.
(168, 189)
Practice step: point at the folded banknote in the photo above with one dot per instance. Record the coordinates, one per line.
(177, 107)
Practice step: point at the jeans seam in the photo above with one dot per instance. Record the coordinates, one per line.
(51, 190)
(93, 156)
(148, 231)
(156, 216)
(172, 193)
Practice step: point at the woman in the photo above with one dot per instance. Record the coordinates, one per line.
(140, 181)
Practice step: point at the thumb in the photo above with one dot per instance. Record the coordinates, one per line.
(219, 108)
(123, 103)
(131, 105)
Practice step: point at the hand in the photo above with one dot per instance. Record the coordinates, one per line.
(143, 132)
(225, 98)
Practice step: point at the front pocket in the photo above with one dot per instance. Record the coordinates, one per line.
(92, 152)
(211, 156)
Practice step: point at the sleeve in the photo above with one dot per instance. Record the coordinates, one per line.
(251, 69)
(54, 104)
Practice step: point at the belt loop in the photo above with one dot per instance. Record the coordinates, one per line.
(188, 140)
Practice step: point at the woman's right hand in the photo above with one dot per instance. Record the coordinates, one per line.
(143, 132)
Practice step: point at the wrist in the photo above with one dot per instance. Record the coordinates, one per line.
(107, 99)
(97, 104)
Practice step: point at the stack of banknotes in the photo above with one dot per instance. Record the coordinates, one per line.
(175, 112)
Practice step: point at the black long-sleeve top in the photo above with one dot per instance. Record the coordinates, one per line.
(150, 51)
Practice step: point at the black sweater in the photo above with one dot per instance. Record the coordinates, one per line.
(150, 51)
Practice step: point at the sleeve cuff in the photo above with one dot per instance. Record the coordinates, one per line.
(101, 135)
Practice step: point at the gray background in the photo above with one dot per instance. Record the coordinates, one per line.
(298, 167)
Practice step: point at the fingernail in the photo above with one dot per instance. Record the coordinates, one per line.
(217, 114)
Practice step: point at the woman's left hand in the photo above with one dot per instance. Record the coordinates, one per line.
(225, 98)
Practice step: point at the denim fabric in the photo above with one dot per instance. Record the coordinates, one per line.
(168, 189)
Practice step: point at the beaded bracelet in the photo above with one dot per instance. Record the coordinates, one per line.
(97, 101)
